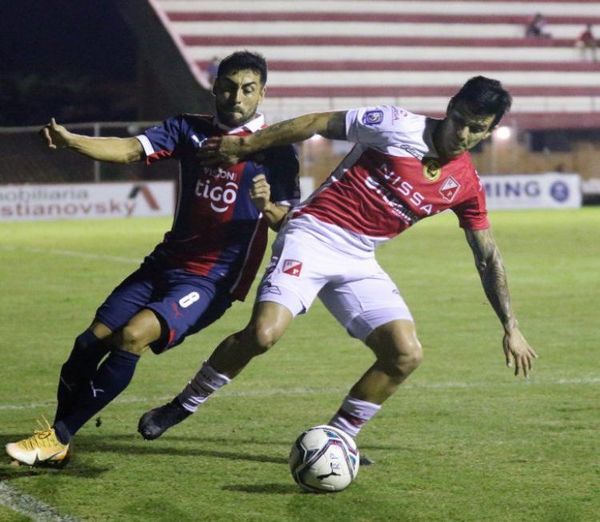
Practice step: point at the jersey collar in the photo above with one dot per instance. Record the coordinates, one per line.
(253, 125)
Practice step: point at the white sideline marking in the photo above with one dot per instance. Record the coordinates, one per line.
(30, 506)
(320, 391)
(71, 253)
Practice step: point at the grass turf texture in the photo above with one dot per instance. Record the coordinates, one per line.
(462, 440)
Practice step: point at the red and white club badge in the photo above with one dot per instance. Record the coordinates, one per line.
(449, 189)
(292, 267)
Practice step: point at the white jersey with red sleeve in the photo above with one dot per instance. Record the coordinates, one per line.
(391, 179)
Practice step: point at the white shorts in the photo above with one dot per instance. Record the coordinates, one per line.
(355, 289)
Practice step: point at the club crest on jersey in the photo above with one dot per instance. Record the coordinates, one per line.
(292, 267)
(431, 169)
(449, 189)
(372, 117)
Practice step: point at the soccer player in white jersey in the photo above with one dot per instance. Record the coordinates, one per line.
(403, 168)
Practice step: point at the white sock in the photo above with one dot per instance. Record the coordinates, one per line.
(201, 387)
(353, 415)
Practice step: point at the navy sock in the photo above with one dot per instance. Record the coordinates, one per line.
(113, 376)
(79, 368)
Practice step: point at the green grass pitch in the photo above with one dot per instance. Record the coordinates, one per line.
(463, 440)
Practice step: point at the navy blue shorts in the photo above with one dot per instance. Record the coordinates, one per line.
(184, 303)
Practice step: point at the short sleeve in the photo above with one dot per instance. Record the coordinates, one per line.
(380, 127)
(366, 124)
(165, 140)
(472, 213)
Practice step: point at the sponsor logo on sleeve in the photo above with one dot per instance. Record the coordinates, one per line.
(398, 113)
(374, 117)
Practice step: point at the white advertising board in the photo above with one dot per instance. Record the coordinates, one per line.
(522, 191)
(83, 201)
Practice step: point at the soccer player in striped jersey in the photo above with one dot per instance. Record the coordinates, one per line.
(206, 261)
(404, 167)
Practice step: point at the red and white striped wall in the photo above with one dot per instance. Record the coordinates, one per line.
(335, 54)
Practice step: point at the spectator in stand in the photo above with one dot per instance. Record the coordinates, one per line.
(536, 28)
(587, 44)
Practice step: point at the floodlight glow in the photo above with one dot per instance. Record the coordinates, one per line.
(503, 133)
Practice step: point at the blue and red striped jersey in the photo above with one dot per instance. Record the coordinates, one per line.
(217, 231)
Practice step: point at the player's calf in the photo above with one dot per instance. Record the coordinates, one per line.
(82, 363)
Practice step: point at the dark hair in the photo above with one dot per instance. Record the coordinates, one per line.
(244, 60)
(484, 96)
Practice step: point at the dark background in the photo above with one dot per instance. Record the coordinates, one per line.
(74, 60)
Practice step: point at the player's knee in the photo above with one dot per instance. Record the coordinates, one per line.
(262, 337)
(405, 359)
(84, 341)
(410, 356)
(132, 339)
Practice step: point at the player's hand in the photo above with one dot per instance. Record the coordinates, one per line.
(518, 352)
(260, 192)
(221, 150)
(56, 135)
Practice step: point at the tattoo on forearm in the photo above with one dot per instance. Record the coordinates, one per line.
(493, 274)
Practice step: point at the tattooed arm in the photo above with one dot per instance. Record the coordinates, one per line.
(228, 150)
(493, 278)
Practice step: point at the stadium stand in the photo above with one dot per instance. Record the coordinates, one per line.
(333, 54)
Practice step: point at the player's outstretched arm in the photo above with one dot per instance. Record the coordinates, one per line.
(493, 278)
(116, 150)
(228, 150)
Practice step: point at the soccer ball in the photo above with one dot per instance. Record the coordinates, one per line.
(324, 459)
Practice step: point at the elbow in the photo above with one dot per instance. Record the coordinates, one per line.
(132, 151)
(130, 158)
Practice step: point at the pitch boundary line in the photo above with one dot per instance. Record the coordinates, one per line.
(593, 380)
(29, 506)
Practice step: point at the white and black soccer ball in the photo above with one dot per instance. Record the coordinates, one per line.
(324, 459)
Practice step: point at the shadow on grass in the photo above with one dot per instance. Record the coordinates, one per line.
(272, 489)
(132, 444)
(152, 448)
(175, 439)
(73, 469)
